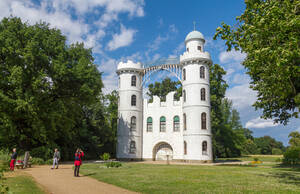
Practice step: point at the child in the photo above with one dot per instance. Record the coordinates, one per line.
(56, 158)
(13, 159)
(78, 155)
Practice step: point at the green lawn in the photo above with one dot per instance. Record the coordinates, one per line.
(22, 184)
(154, 178)
(264, 158)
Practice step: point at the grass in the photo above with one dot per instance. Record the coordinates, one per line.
(154, 178)
(22, 184)
(263, 158)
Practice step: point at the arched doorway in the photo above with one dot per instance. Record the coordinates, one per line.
(162, 151)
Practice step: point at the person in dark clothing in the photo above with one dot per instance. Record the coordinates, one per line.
(78, 161)
(13, 159)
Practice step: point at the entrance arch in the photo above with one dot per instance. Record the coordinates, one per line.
(161, 151)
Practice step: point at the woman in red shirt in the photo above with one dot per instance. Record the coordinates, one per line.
(78, 161)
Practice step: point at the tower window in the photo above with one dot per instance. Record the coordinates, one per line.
(132, 147)
(184, 148)
(203, 120)
(184, 96)
(176, 123)
(133, 100)
(162, 127)
(202, 94)
(133, 80)
(133, 123)
(199, 48)
(183, 74)
(202, 72)
(149, 124)
(184, 121)
(187, 49)
(204, 148)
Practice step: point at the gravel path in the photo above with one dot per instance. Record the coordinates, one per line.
(62, 181)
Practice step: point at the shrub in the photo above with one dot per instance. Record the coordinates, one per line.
(49, 161)
(37, 161)
(5, 157)
(276, 151)
(256, 159)
(113, 164)
(42, 152)
(278, 160)
(105, 156)
(292, 156)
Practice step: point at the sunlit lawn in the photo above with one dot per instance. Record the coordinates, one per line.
(264, 158)
(154, 178)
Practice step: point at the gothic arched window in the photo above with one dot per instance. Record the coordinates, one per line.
(133, 123)
(162, 124)
(184, 121)
(133, 100)
(132, 147)
(133, 80)
(183, 74)
(203, 94)
(202, 72)
(184, 148)
(176, 123)
(149, 124)
(204, 148)
(203, 120)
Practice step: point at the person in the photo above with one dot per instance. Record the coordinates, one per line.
(56, 158)
(13, 159)
(78, 161)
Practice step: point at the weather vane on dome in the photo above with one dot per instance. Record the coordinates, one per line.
(194, 25)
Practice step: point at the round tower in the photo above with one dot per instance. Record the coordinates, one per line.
(130, 111)
(197, 141)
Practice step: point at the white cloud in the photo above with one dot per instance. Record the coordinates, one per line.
(125, 38)
(232, 56)
(239, 78)
(242, 96)
(260, 123)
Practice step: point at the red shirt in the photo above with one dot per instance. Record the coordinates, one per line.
(78, 156)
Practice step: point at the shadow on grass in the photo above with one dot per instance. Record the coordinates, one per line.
(89, 174)
(286, 174)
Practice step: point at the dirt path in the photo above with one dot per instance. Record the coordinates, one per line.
(62, 181)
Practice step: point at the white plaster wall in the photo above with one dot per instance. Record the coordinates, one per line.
(193, 45)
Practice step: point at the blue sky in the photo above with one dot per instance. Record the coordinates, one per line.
(142, 31)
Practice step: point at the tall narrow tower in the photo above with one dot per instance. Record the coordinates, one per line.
(196, 99)
(130, 112)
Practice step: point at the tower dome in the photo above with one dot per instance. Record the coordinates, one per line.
(129, 65)
(194, 35)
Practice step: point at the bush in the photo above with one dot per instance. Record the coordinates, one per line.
(113, 164)
(5, 157)
(276, 151)
(37, 161)
(42, 152)
(105, 156)
(292, 156)
(278, 160)
(256, 159)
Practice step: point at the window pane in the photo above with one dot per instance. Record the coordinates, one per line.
(149, 120)
(133, 100)
(133, 80)
(202, 72)
(203, 120)
(162, 118)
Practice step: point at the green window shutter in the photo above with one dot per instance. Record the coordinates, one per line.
(149, 120)
(176, 118)
(163, 119)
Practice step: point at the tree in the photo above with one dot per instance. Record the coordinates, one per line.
(162, 89)
(266, 144)
(294, 139)
(268, 32)
(46, 87)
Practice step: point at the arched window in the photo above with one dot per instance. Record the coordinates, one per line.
(184, 96)
(133, 123)
(183, 74)
(203, 94)
(204, 148)
(203, 120)
(133, 80)
(132, 147)
(202, 72)
(149, 124)
(176, 123)
(187, 49)
(133, 100)
(184, 148)
(184, 121)
(199, 48)
(162, 127)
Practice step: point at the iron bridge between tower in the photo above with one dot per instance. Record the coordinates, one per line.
(172, 65)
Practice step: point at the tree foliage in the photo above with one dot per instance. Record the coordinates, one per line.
(49, 90)
(294, 139)
(268, 32)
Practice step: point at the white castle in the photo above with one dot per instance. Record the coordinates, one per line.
(174, 130)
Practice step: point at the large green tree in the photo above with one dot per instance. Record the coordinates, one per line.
(45, 85)
(269, 33)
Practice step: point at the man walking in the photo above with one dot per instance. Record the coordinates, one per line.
(56, 158)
